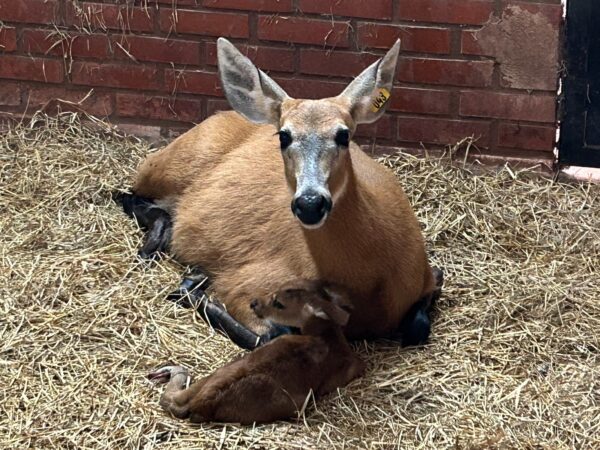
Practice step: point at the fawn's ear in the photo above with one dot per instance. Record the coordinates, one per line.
(338, 296)
(369, 93)
(249, 90)
(329, 311)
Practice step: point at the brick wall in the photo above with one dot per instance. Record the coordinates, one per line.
(481, 68)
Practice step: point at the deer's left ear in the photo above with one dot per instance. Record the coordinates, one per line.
(249, 90)
(370, 92)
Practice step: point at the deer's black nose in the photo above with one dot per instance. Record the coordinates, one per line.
(310, 208)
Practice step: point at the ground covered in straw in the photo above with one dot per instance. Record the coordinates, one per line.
(512, 363)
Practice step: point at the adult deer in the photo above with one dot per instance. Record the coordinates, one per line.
(228, 184)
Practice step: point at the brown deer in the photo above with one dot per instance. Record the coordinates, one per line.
(273, 382)
(228, 184)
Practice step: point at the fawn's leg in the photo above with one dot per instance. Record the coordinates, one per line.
(175, 398)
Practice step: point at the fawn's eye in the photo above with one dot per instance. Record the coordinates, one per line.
(285, 139)
(342, 138)
(277, 304)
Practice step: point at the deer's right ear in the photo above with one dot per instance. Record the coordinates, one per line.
(249, 90)
(369, 93)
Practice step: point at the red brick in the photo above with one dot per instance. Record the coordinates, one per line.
(90, 45)
(384, 128)
(337, 63)
(106, 16)
(204, 23)
(371, 9)
(414, 39)
(52, 99)
(78, 45)
(158, 108)
(266, 58)
(420, 101)
(442, 131)
(532, 108)
(193, 82)
(149, 132)
(173, 131)
(177, 3)
(216, 105)
(446, 71)
(29, 11)
(470, 46)
(35, 69)
(303, 31)
(513, 135)
(312, 89)
(10, 119)
(8, 39)
(473, 12)
(251, 5)
(43, 41)
(157, 49)
(10, 94)
(112, 75)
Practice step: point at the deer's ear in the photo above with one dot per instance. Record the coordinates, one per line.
(370, 92)
(249, 90)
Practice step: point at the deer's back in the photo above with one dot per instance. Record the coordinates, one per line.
(167, 173)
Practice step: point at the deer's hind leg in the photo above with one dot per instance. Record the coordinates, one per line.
(416, 325)
(152, 218)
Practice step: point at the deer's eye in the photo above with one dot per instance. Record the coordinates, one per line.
(342, 138)
(277, 304)
(285, 139)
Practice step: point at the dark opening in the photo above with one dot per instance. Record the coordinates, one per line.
(580, 131)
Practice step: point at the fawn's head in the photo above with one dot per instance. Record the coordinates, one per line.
(297, 302)
(314, 134)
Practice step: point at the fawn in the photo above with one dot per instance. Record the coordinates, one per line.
(273, 381)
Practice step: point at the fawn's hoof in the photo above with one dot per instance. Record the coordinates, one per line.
(164, 374)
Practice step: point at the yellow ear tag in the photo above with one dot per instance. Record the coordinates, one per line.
(383, 95)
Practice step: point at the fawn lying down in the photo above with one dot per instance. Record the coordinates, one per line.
(273, 381)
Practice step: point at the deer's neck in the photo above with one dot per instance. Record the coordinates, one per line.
(348, 231)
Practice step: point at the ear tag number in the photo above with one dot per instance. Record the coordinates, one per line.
(383, 95)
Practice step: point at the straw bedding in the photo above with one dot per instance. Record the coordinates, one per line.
(512, 363)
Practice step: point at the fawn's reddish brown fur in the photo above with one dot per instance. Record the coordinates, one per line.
(229, 189)
(273, 381)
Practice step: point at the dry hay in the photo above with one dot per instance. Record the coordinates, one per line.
(512, 363)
